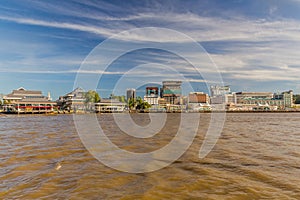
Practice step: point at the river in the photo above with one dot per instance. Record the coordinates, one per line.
(256, 157)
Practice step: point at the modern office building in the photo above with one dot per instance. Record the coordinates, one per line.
(152, 95)
(171, 92)
(224, 99)
(27, 101)
(216, 90)
(130, 94)
(222, 95)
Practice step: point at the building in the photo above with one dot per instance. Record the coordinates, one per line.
(287, 98)
(130, 94)
(152, 95)
(216, 90)
(251, 107)
(222, 95)
(198, 101)
(27, 101)
(171, 92)
(224, 99)
(253, 97)
(110, 106)
(282, 101)
(198, 97)
(74, 100)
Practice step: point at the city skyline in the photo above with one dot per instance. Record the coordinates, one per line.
(142, 91)
(254, 44)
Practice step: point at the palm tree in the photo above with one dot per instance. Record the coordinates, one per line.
(141, 104)
(132, 103)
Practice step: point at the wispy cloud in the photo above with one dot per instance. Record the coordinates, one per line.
(62, 25)
(262, 48)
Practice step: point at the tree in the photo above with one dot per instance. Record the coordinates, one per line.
(122, 99)
(119, 98)
(141, 104)
(132, 103)
(91, 97)
(297, 99)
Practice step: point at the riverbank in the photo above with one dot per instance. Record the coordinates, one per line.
(138, 112)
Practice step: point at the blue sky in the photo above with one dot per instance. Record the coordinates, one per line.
(254, 44)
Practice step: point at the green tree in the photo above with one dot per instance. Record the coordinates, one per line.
(119, 98)
(91, 97)
(297, 99)
(122, 99)
(141, 104)
(132, 103)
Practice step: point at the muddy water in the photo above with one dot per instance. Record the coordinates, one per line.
(257, 157)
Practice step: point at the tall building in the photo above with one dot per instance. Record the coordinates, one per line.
(216, 90)
(171, 91)
(130, 94)
(152, 95)
(222, 95)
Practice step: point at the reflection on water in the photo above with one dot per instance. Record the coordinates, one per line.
(257, 156)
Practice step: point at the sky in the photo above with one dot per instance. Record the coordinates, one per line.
(47, 45)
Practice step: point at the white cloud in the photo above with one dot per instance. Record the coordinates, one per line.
(252, 43)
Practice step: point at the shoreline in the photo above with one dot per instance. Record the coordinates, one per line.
(99, 113)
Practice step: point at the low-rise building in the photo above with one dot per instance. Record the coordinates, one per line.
(251, 107)
(198, 101)
(223, 99)
(282, 101)
(110, 106)
(74, 100)
(27, 101)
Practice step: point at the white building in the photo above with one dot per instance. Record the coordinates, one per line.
(109, 106)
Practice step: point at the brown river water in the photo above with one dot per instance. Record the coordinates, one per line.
(256, 157)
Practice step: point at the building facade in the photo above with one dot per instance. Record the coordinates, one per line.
(130, 94)
(198, 101)
(224, 99)
(222, 95)
(282, 100)
(198, 97)
(27, 101)
(110, 106)
(74, 100)
(171, 92)
(216, 90)
(152, 95)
